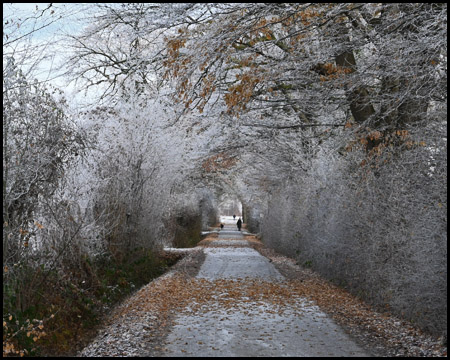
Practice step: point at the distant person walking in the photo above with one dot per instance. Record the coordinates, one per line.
(221, 226)
(234, 216)
(239, 224)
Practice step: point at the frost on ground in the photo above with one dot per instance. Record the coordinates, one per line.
(245, 318)
(172, 315)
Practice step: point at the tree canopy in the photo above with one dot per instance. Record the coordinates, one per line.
(326, 120)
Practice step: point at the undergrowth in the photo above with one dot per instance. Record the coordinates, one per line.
(187, 231)
(66, 306)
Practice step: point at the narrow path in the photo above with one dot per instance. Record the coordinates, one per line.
(225, 299)
(238, 321)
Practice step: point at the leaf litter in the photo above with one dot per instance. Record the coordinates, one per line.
(156, 304)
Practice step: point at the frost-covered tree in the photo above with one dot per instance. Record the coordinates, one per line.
(329, 119)
(38, 142)
(347, 103)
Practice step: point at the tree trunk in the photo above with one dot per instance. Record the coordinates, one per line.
(358, 98)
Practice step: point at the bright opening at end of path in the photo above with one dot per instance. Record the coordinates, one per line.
(229, 205)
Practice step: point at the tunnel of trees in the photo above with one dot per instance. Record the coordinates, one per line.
(327, 122)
